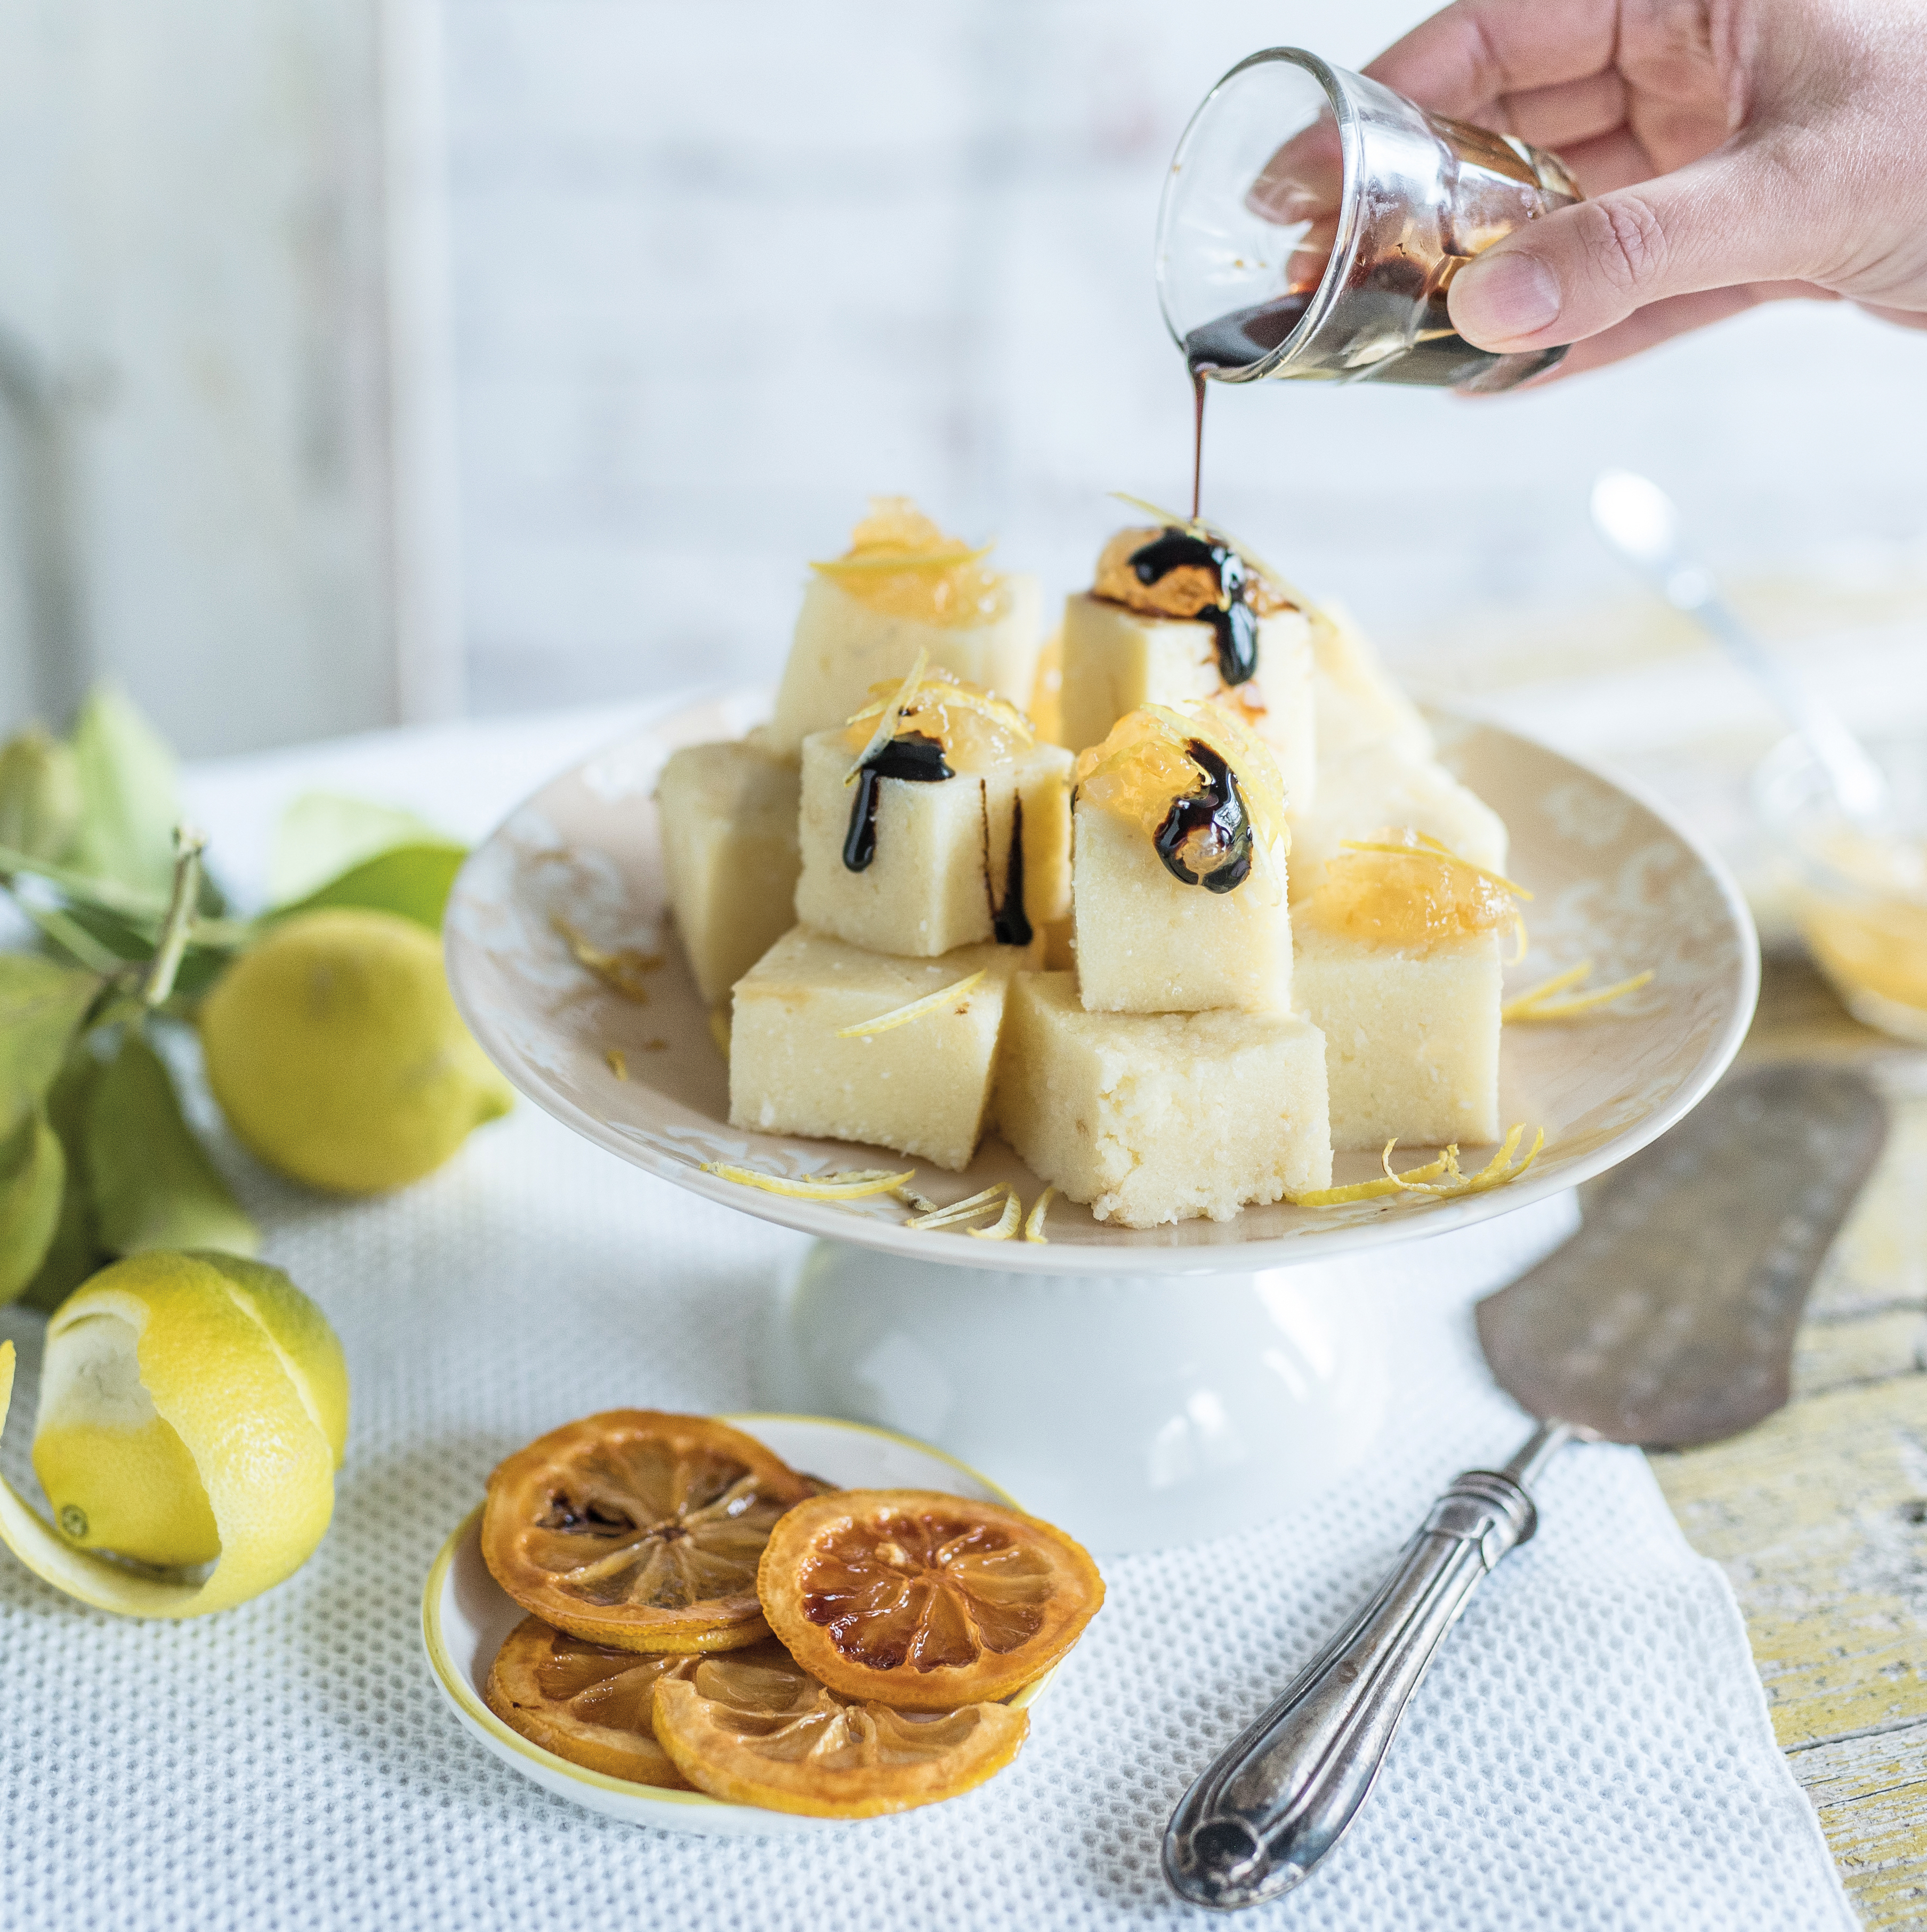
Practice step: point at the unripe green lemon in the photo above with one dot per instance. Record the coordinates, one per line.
(335, 1050)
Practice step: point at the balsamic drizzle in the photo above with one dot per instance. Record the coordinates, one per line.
(1009, 922)
(911, 755)
(1213, 815)
(1233, 620)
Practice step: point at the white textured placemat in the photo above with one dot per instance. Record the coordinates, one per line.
(1591, 1749)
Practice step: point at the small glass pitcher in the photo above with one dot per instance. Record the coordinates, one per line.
(1313, 221)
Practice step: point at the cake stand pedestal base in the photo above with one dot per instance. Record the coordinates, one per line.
(1137, 1411)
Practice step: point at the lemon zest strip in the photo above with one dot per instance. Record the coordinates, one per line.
(1441, 852)
(1033, 1222)
(1372, 1190)
(1522, 943)
(1537, 1004)
(1006, 1222)
(853, 1185)
(1558, 983)
(620, 969)
(887, 722)
(970, 1209)
(911, 1198)
(902, 1015)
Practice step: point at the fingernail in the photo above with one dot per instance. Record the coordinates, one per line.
(1498, 298)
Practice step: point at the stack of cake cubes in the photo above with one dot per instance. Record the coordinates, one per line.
(926, 919)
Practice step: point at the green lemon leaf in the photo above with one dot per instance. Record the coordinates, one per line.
(322, 835)
(40, 795)
(41, 1006)
(412, 880)
(153, 1184)
(33, 1174)
(130, 794)
(74, 1252)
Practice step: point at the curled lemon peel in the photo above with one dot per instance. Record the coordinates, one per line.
(887, 719)
(1007, 1222)
(853, 1184)
(1541, 1003)
(264, 1427)
(1440, 1178)
(902, 1015)
(973, 1207)
(1033, 1222)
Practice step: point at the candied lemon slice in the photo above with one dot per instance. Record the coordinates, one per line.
(901, 564)
(638, 1530)
(921, 1600)
(585, 1702)
(755, 1728)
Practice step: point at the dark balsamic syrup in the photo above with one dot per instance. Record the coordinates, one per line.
(912, 756)
(1008, 923)
(1232, 618)
(1246, 335)
(1214, 816)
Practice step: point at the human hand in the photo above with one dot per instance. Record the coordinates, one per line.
(1733, 152)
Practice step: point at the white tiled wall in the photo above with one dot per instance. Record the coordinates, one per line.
(722, 271)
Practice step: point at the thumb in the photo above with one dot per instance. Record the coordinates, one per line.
(1721, 220)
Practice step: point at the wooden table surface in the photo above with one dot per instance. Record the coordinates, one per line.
(1819, 1516)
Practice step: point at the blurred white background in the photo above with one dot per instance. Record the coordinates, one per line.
(364, 361)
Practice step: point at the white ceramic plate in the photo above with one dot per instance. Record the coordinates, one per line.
(465, 1616)
(1613, 879)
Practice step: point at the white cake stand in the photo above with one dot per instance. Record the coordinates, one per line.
(1144, 1388)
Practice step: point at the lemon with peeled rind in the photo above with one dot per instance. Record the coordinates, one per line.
(194, 1407)
(336, 1051)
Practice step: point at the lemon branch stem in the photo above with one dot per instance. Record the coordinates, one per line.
(178, 925)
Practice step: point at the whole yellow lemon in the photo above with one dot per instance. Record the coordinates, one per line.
(335, 1050)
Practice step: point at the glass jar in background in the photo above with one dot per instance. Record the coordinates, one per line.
(1859, 900)
(1313, 221)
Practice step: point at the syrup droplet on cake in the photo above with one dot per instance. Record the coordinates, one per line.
(910, 755)
(1232, 617)
(1205, 838)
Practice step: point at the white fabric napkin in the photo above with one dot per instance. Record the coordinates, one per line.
(1591, 1749)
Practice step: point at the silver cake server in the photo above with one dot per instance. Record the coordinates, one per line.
(1667, 1319)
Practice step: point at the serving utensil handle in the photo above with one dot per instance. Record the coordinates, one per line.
(1281, 1796)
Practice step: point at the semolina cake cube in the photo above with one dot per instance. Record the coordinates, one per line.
(1148, 943)
(1354, 700)
(1411, 1037)
(1116, 659)
(942, 866)
(843, 645)
(1375, 787)
(729, 847)
(1151, 1117)
(923, 1087)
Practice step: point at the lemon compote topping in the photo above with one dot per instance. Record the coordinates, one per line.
(1403, 889)
(900, 563)
(1160, 758)
(976, 729)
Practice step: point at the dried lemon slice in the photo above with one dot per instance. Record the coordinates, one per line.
(923, 1601)
(638, 1530)
(584, 1702)
(755, 1728)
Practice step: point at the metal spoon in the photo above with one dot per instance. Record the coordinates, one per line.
(1639, 520)
(1667, 1319)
